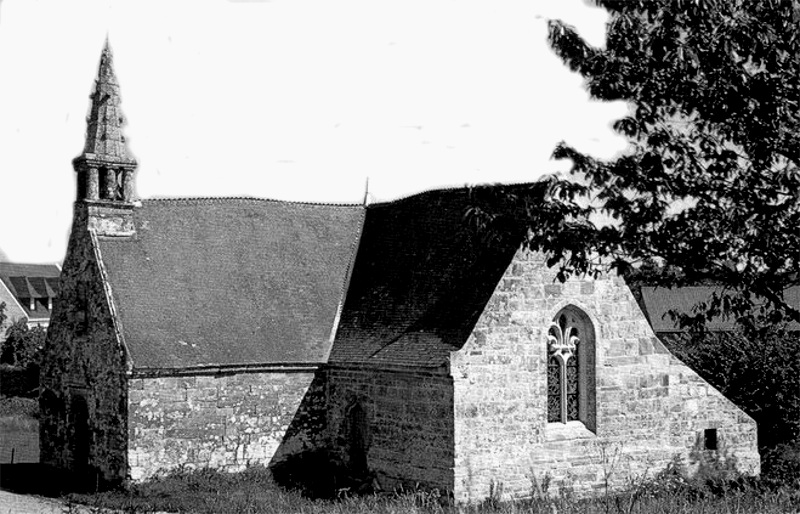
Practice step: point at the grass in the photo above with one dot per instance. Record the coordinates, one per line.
(20, 424)
(19, 438)
(253, 491)
(18, 415)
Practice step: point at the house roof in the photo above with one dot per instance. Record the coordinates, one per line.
(231, 281)
(215, 282)
(658, 301)
(31, 281)
(421, 280)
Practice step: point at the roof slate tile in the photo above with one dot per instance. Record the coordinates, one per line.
(231, 282)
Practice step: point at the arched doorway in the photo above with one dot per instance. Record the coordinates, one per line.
(81, 437)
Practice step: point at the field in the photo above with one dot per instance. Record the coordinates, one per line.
(19, 430)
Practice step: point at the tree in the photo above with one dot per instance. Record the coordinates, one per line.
(710, 186)
(23, 345)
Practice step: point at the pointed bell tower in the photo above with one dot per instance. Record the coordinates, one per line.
(106, 167)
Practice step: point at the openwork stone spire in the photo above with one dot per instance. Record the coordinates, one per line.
(105, 168)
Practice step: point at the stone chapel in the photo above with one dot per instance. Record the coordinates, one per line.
(227, 332)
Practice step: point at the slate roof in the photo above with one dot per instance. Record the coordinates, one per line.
(217, 282)
(26, 281)
(421, 280)
(657, 302)
(231, 281)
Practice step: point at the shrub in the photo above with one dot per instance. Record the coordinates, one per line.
(15, 406)
(782, 465)
(23, 345)
(16, 381)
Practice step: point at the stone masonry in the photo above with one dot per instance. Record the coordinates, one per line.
(410, 423)
(650, 407)
(84, 362)
(225, 421)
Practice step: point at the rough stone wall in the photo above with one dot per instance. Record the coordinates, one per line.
(222, 421)
(83, 359)
(410, 422)
(650, 407)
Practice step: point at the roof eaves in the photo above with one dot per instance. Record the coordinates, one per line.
(215, 369)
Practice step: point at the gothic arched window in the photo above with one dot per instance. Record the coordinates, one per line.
(359, 438)
(570, 368)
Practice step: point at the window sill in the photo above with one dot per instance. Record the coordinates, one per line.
(567, 431)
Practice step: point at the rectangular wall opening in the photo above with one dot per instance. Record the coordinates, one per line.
(710, 438)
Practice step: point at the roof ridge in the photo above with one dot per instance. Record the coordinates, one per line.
(226, 199)
(214, 199)
(465, 187)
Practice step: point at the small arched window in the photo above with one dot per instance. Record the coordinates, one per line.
(359, 438)
(571, 368)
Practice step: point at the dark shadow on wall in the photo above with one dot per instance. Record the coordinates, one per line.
(303, 461)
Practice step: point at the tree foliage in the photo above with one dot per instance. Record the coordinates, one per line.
(710, 185)
(23, 345)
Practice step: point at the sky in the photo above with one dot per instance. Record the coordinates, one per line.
(289, 99)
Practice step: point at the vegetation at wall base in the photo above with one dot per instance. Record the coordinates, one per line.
(253, 491)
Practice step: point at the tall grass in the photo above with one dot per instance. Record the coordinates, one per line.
(253, 491)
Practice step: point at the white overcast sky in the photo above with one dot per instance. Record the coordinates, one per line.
(288, 99)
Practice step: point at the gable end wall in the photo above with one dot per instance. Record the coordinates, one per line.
(650, 407)
(84, 359)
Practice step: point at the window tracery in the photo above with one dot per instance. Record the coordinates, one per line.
(570, 368)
